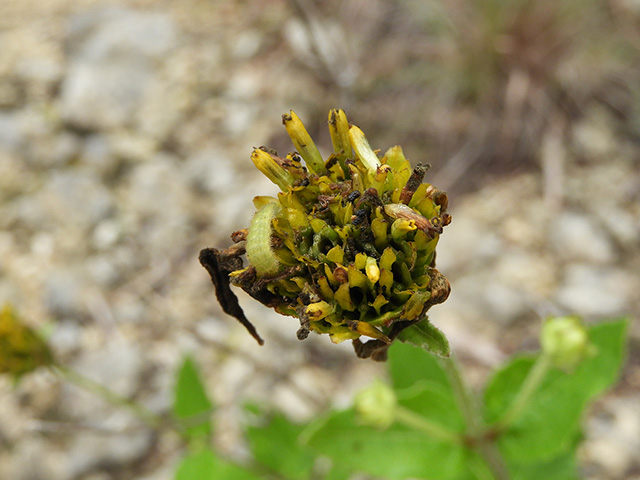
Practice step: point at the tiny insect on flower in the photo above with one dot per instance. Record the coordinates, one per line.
(347, 246)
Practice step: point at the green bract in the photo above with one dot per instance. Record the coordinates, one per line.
(347, 246)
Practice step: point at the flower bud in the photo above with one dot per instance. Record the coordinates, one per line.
(267, 164)
(302, 141)
(565, 341)
(361, 146)
(375, 405)
(339, 131)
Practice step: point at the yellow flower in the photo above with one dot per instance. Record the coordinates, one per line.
(348, 245)
(21, 349)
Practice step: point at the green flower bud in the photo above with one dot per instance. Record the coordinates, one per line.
(565, 341)
(375, 405)
(364, 152)
(348, 245)
(339, 131)
(302, 141)
(273, 170)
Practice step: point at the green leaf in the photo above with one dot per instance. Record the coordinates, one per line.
(395, 453)
(276, 446)
(423, 387)
(552, 418)
(409, 365)
(433, 402)
(191, 403)
(205, 465)
(562, 467)
(336, 472)
(425, 335)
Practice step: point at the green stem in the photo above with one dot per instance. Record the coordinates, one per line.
(418, 422)
(108, 395)
(462, 394)
(471, 415)
(531, 383)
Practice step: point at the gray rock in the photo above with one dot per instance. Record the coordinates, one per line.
(505, 302)
(11, 135)
(129, 308)
(34, 458)
(66, 338)
(624, 226)
(135, 148)
(12, 93)
(117, 365)
(578, 237)
(484, 295)
(41, 71)
(165, 216)
(106, 234)
(594, 136)
(613, 435)
(115, 443)
(104, 95)
(114, 53)
(98, 153)
(105, 32)
(469, 244)
(210, 171)
(247, 45)
(63, 293)
(76, 198)
(168, 470)
(594, 290)
(54, 150)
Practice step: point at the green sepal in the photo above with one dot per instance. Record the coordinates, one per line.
(425, 335)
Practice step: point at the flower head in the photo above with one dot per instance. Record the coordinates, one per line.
(347, 246)
(21, 348)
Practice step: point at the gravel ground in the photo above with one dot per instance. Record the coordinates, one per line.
(125, 134)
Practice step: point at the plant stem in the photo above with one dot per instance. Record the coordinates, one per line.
(462, 394)
(472, 418)
(108, 395)
(417, 422)
(531, 383)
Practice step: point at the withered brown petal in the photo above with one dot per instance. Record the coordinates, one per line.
(415, 180)
(375, 349)
(210, 260)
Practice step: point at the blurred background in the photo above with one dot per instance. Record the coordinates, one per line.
(125, 134)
